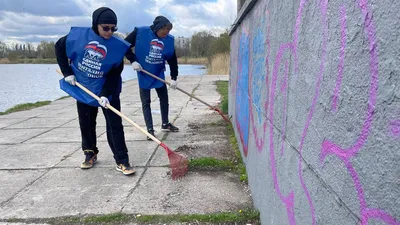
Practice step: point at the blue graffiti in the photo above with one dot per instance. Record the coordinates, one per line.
(258, 73)
(242, 92)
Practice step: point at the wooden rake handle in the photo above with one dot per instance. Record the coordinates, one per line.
(192, 96)
(117, 112)
(166, 82)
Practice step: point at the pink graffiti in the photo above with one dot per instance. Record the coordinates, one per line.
(328, 147)
(323, 8)
(287, 200)
(341, 61)
(283, 89)
(394, 128)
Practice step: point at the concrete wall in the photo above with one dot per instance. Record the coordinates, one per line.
(315, 101)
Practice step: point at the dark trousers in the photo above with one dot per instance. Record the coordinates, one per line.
(145, 97)
(115, 131)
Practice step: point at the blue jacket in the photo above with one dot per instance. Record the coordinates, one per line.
(151, 53)
(92, 57)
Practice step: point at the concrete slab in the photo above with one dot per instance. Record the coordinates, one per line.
(160, 158)
(72, 191)
(58, 104)
(30, 156)
(62, 135)
(16, 136)
(197, 193)
(69, 112)
(13, 181)
(41, 122)
(42, 179)
(24, 114)
(6, 122)
(139, 120)
(139, 153)
(190, 147)
(65, 101)
(74, 123)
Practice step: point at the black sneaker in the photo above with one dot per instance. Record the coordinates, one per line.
(90, 159)
(125, 169)
(152, 133)
(169, 127)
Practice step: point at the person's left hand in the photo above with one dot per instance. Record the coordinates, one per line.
(174, 84)
(103, 102)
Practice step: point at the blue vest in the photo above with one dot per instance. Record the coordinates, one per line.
(92, 57)
(152, 52)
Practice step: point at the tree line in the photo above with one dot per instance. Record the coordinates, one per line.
(201, 44)
(204, 44)
(44, 50)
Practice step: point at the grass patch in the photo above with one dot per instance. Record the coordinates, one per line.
(223, 88)
(64, 97)
(28, 61)
(241, 216)
(211, 163)
(112, 218)
(26, 106)
(240, 165)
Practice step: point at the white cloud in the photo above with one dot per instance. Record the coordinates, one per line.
(188, 16)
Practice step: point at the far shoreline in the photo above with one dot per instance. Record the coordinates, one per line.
(181, 60)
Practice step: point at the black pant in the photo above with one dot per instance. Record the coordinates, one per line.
(115, 131)
(145, 97)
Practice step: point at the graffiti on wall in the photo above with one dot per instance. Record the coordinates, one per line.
(346, 154)
(258, 77)
(242, 90)
(253, 73)
(394, 128)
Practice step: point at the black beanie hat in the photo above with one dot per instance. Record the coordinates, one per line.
(104, 15)
(159, 22)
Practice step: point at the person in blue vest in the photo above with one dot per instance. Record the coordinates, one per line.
(94, 57)
(153, 46)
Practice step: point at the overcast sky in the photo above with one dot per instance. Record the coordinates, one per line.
(36, 20)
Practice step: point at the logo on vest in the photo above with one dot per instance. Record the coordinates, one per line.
(91, 62)
(155, 54)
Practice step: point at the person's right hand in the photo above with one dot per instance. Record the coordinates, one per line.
(136, 66)
(71, 79)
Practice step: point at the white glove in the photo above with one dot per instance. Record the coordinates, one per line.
(136, 66)
(174, 84)
(71, 79)
(103, 102)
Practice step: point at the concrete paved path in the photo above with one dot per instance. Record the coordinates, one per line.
(41, 152)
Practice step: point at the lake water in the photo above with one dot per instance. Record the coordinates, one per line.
(29, 83)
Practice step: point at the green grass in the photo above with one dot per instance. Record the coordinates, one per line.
(64, 97)
(211, 163)
(223, 88)
(240, 165)
(26, 106)
(242, 216)
(111, 218)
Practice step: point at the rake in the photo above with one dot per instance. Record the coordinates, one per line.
(179, 164)
(205, 103)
